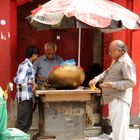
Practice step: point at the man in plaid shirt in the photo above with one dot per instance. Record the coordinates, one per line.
(25, 80)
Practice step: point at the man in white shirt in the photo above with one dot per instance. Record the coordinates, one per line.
(117, 83)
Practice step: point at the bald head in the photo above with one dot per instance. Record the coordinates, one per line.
(119, 45)
(117, 48)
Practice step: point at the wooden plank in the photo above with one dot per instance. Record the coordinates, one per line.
(76, 91)
(65, 97)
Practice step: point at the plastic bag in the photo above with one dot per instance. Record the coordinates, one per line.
(70, 62)
(14, 134)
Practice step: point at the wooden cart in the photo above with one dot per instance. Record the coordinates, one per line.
(62, 113)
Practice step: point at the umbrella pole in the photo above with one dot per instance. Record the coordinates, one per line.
(79, 47)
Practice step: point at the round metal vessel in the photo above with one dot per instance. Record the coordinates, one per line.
(67, 77)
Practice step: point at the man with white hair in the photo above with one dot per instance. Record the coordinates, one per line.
(117, 83)
(44, 64)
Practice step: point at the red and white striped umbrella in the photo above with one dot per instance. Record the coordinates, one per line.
(103, 14)
(95, 13)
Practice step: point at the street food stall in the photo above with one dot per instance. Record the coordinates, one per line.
(14, 45)
(62, 113)
(62, 105)
(66, 38)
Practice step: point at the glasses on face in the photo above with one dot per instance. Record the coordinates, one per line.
(113, 51)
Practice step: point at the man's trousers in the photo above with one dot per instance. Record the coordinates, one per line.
(24, 115)
(119, 115)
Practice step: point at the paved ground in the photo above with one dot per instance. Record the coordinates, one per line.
(133, 135)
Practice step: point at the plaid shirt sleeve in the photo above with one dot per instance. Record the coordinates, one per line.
(21, 74)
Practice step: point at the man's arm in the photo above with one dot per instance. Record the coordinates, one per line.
(129, 76)
(98, 78)
(128, 81)
(20, 75)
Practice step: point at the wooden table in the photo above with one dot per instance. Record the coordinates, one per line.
(62, 113)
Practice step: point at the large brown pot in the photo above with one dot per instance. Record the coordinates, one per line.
(67, 77)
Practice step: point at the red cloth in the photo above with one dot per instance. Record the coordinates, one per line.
(54, 68)
(104, 110)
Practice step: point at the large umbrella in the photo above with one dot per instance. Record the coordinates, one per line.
(103, 14)
(95, 13)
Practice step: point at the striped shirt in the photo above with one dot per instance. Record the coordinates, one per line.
(25, 74)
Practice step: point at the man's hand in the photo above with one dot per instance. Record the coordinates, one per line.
(34, 86)
(106, 85)
(92, 82)
(42, 79)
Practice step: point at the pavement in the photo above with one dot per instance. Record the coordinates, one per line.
(133, 135)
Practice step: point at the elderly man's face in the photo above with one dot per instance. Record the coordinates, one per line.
(50, 53)
(114, 51)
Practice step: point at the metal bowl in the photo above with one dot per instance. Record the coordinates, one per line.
(67, 77)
